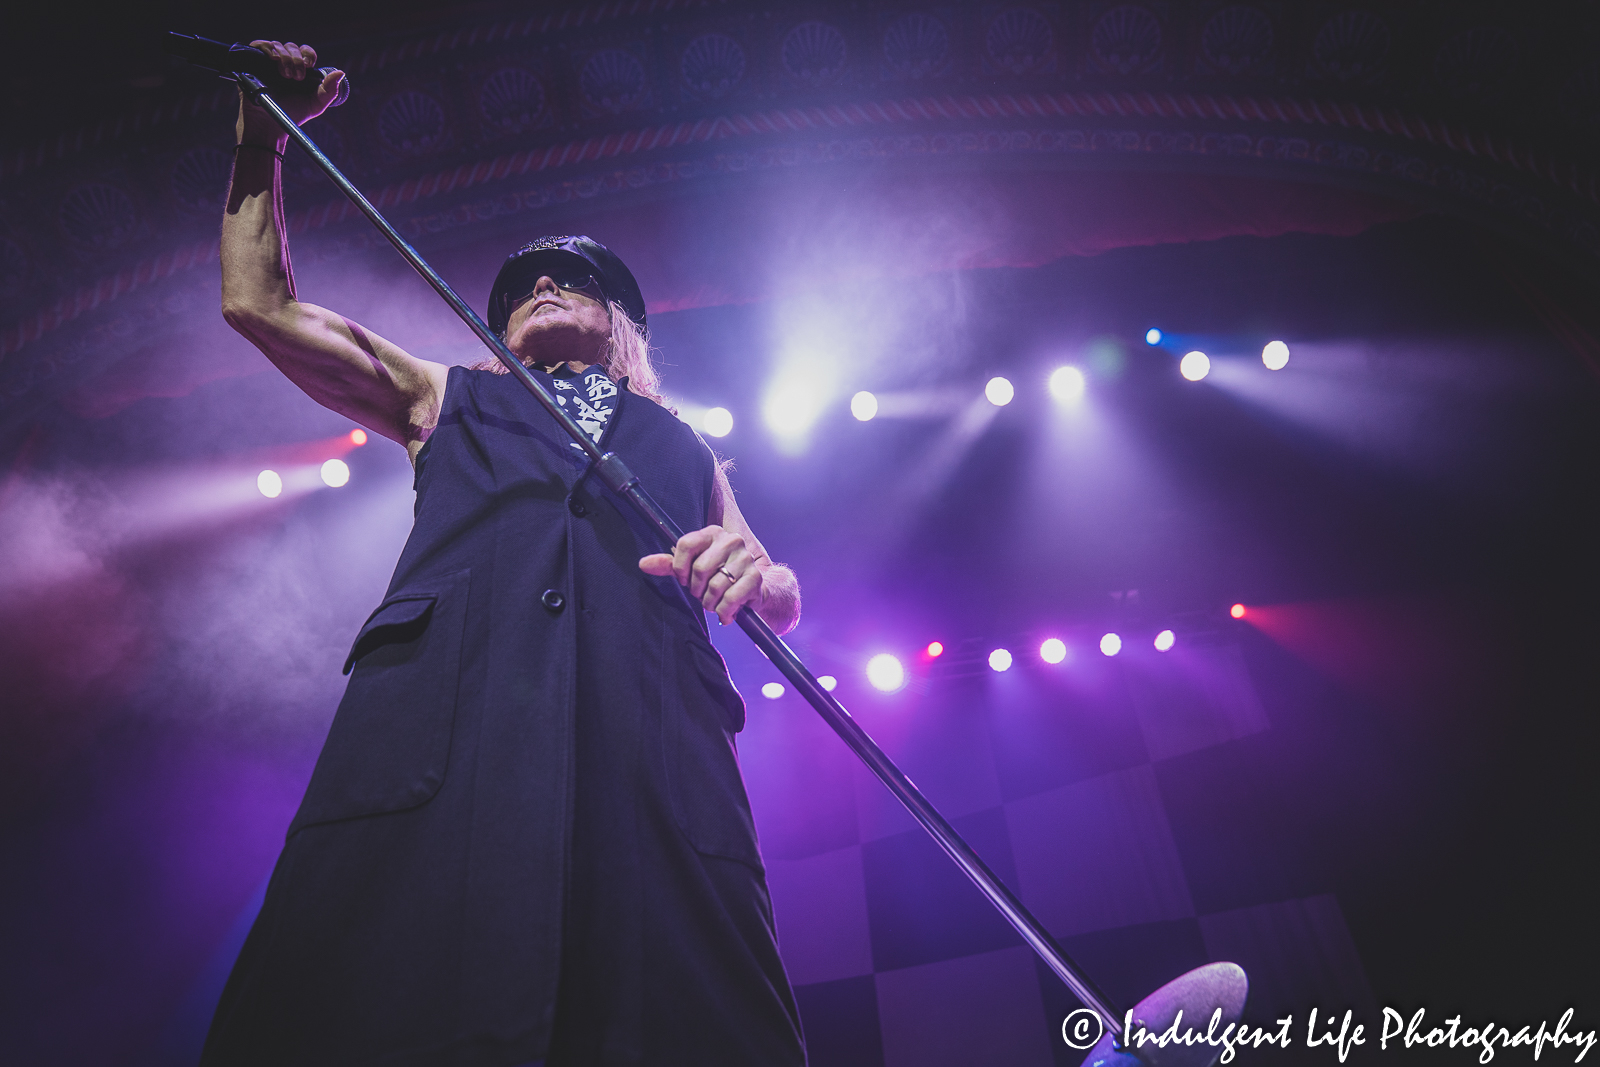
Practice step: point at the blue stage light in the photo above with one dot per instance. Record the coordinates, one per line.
(1152, 336)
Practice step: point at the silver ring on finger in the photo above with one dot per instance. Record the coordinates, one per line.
(724, 571)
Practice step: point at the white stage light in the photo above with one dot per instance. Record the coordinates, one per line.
(1066, 383)
(999, 391)
(1000, 660)
(1195, 365)
(1275, 355)
(1152, 336)
(788, 412)
(772, 690)
(827, 681)
(885, 672)
(718, 422)
(1165, 640)
(335, 473)
(1111, 644)
(1054, 650)
(270, 483)
(864, 406)
(792, 404)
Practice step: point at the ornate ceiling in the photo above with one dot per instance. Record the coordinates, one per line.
(1487, 113)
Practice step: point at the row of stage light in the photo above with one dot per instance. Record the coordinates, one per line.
(1066, 383)
(333, 473)
(887, 673)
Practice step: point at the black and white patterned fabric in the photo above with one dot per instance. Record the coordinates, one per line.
(590, 398)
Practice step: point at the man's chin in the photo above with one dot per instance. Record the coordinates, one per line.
(541, 341)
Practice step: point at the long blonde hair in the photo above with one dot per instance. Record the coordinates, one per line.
(626, 354)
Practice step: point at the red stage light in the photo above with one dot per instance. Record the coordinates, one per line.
(1237, 611)
(358, 437)
(935, 649)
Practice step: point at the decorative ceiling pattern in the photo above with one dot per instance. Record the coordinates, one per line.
(471, 123)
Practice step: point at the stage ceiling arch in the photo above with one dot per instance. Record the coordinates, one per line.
(737, 151)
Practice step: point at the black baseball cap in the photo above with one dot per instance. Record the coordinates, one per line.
(523, 268)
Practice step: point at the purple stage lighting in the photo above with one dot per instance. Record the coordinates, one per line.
(335, 473)
(270, 483)
(1165, 640)
(1275, 355)
(864, 406)
(792, 404)
(1110, 644)
(1067, 383)
(1054, 650)
(1194, 366)
(827, 681)
(1000, 391)
(885, 673)
(1000, 660)
(1152, 336)
(772, 690)
(718, 422)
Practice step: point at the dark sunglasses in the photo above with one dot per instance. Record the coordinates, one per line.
(572, 279)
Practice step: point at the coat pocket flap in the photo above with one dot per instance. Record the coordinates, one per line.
(395, 620)
(388, 747)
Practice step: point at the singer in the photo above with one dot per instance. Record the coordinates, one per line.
(526, 838)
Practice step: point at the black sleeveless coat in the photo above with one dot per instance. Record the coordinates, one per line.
(527, 834)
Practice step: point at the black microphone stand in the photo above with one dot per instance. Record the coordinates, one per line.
(620, 480)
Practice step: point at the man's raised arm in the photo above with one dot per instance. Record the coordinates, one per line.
(339, 364)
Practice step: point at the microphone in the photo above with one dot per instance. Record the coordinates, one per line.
(231, 60)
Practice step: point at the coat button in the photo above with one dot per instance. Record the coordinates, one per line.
(575, 506)
(553, 600)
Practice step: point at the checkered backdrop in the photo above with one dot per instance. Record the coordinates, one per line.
(1141, 806)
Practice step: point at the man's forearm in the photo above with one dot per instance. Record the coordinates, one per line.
(257, 280)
